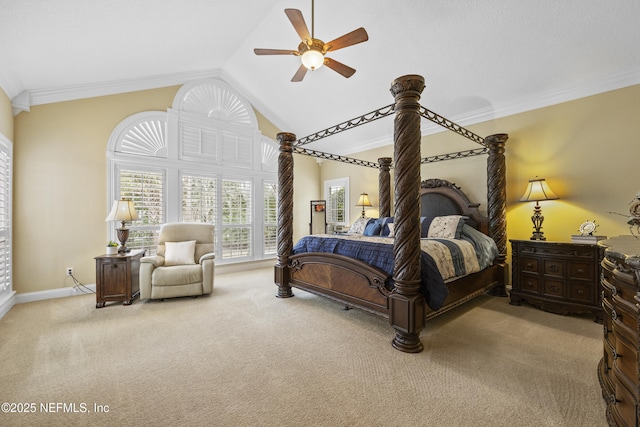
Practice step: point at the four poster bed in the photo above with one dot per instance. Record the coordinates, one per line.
(408, 286)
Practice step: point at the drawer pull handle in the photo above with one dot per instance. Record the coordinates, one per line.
(529, 265)
(553, 267)
(114, 265)
(615, 354)
(614, 315)
(581, 270)
(606, 330)
(614, 291)
(602, 295)
(580, 292)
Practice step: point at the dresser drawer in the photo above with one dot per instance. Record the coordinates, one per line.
(553, 288)
(581, 271)
(529, 265)
(625, 361)
(553, 268)
(625, 318)
(582, 292)
(529, 284)
(623, 407)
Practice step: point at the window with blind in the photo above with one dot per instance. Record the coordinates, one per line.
(146, 190)
(204, 160)
(6, 160)
(336, 193)
(270, 220)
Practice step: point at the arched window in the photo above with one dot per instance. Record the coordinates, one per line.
(203, 160)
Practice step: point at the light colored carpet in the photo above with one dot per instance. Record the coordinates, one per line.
(242, 357)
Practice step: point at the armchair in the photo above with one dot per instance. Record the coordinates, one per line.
(183, 265)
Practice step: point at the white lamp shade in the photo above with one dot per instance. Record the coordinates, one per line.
(122, 210)
(363, 200)
(312, 59)
(537, 190)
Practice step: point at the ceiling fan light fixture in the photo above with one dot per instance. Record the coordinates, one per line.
(312, 59)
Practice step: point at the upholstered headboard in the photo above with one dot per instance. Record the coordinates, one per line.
(439, 197)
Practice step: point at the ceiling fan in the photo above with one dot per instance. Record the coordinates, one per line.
(312, 51)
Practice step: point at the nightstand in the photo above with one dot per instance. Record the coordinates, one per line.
(117, 277)
(561, 278)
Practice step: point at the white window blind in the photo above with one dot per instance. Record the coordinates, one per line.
(146, 190)
(5, 218)
(199, 199)
(236, 218)
(270, 221)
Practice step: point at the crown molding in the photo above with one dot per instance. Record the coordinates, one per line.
(612, 82)
(26, 99)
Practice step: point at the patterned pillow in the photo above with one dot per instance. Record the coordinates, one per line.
(392, 231)
(359, 225)
(447, 227)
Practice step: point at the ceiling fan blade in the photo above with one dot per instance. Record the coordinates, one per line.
(339, 67)
(349, 39)
(275, 52)
(296, 18)
(299, 75)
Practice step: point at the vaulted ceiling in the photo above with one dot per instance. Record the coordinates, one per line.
(481, 60)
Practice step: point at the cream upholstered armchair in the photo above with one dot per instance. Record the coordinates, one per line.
(183, 265)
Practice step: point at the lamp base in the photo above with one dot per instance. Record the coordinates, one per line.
(537, 235)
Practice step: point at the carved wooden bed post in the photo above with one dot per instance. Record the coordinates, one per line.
(284, 238)
(497, 199)
(406, 304)
(384, 185)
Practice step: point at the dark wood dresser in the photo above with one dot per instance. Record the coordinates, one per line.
(618, 371)
(562, 278)
(117, 277)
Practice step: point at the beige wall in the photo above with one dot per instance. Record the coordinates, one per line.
(60, 185)
(586, 149)
(6, 116)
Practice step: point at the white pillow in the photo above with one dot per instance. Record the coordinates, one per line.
(359, 225)
(179, 253)
(447, 227)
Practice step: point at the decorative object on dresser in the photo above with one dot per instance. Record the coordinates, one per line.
(123, 211)
(117, 277)
(586, 235)
(619, 369)
(536, 191)
(557, 277)
(633, 219)
(363, 201)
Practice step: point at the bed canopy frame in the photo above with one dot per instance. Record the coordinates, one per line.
(406, 303)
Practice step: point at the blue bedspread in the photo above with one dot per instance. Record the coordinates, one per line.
(379, 255)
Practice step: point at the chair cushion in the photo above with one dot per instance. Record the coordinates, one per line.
(179, 253)
(177, 275)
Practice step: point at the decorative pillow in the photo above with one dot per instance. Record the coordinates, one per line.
(372, 229)
(447, 227)
(359, 225)
(385, 221)
(179, 253)
(425, 222)
(392, 231)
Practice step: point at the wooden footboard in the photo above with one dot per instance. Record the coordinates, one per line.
(343, 279)
(356, 284)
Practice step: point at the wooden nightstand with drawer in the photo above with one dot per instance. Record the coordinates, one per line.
(558, 277)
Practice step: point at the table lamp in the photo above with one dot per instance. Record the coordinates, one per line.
(363, 201)
(123, 211)
(537, 190)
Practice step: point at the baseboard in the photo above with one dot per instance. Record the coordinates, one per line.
(6, 303)
(53, 293)
(244, 266)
